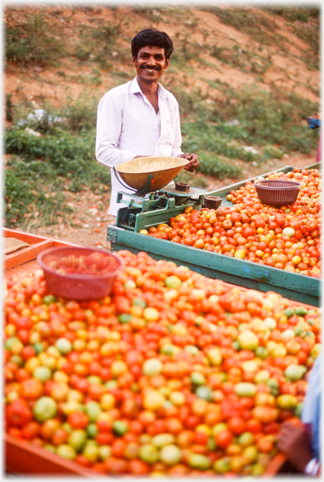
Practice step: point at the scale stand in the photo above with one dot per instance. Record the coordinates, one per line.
(157, 208)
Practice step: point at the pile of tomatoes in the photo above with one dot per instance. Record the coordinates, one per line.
(287, 237)
(172, 374)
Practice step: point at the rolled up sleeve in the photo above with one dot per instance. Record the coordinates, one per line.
(109, 123)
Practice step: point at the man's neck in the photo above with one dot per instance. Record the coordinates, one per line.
(148, 88)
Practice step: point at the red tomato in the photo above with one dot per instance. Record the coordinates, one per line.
(18, 413)
(223, 438)
(31, 389)
(78, 420)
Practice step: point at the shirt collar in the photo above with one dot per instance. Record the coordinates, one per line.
(135, 88)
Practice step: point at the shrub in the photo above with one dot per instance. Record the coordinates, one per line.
(215, 166)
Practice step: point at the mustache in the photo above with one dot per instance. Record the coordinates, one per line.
(153, 67)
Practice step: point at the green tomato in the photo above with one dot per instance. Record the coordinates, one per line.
(221, 466)
(211, 444)
(204, 392)
(298, 409)
(288, 232)
(257, 469)
(44, 408)
(172, 282)
(262, 376)
(286, 401)
(63, 345)
(48, 299)
(316, 350)
(91, 452)
(245, 389)
(295, 372)
(111, 385)
(301, 311)
(261, 352)
(200, 462)
(163, 439)
(77, 439)
(236, 345)
(10, 342)
(170, 454)
(94, 379)
(38, 347)
(198, 378)
(92, 430)
(66, 451)
(93, 410)
(248, 340)
(289, 312)
(124, 318)
(104, 452)
(192, 349)
(119, 428)
(17, 359)
(67, 427)
(274, 386)
(246, 439)
(168, 349)
(42, 373)
(215, 356)
(139, 302)
(149, 454)
(152, 366)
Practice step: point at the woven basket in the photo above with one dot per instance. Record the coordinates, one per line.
(78, 286)
(277, 192)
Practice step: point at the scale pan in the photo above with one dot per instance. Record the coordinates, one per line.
(163, 169)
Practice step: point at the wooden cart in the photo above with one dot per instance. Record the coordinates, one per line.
(24, 458)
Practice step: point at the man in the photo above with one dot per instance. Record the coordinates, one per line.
(302, 444)
(140, 118)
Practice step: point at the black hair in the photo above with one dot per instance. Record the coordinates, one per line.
(153, 37)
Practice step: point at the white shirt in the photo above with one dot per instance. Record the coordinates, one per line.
(128, 126)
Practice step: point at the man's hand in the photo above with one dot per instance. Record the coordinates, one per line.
(193, 161)
(294, 442)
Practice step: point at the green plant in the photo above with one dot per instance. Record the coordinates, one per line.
(32, 194)
(212, 165)
(271, 152)
(81, 114)
(32, 41)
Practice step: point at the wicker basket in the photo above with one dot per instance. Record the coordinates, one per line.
(79, 286)
(277, 192)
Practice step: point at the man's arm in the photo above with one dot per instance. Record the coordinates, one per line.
(109, 122)
(295, 444)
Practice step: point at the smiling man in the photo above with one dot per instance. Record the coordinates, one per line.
(140, 118)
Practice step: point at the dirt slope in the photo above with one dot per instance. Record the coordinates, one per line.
(280, 59)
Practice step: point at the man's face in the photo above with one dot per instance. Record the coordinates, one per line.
(150, 63)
